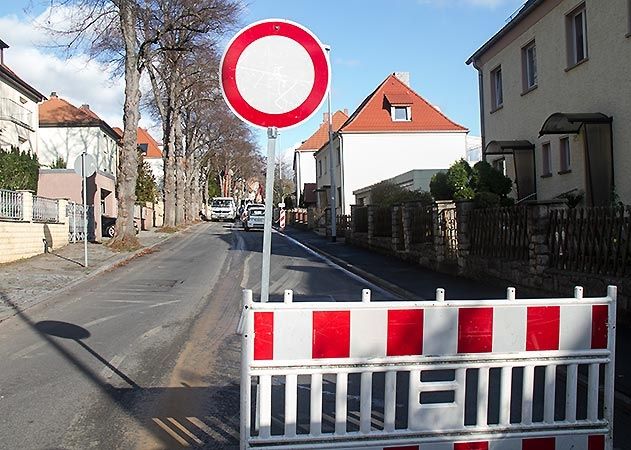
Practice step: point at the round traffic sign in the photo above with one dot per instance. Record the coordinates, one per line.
(275, 73)
(90, 165)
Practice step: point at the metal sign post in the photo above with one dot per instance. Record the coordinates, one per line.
(274, 75)
(85, 212)
(272, 134)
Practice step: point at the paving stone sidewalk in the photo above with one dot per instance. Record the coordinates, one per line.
(27, 282)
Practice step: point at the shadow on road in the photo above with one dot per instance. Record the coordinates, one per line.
(168, 417)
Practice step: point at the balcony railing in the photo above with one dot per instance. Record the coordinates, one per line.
(13, 111)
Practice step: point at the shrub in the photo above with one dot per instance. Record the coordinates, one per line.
(386, 194)
(440, 187)
(18, 170)
(488, 179)
(59, 163)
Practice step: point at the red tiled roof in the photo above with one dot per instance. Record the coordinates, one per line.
(399, 98)
(153, 148)
(57, 112)
(373, 115)
(321, 136)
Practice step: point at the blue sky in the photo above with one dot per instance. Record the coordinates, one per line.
(370, 39)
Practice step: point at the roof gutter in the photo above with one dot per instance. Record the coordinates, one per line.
(529, 6)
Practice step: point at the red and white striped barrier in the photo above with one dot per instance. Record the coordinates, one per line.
(509, 356)
(281, 220)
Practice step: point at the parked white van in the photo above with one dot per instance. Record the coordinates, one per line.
(223, 208)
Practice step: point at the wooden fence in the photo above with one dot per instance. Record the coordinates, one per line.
(382, 222)
(591, 240)
(499, 233)
(360, 219)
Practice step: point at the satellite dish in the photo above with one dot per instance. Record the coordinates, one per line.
(90, 165)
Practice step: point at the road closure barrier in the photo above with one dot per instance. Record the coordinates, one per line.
(508, 374)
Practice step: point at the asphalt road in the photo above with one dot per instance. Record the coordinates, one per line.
(146, 355)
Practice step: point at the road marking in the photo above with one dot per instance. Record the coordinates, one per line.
(98, 321)
(373, 287)
(219, 424)
(107, 372)
(150, 333)
(184, 430)
(165, 303)
(172, 433)
(128, 301)
(206, 429)
(27, 350)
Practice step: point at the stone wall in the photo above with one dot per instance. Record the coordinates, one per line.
(533, 272)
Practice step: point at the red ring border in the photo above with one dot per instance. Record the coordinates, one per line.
(258, 30)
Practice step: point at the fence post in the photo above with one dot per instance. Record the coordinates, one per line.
(463, 208)
(395, 223)
(407, 226)
(371, 224)
(27, 205)
(538, 226)
(440, 229)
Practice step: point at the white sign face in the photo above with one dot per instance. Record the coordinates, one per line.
(275, 74)
(90, 165)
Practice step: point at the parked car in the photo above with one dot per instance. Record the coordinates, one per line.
(108, 226)
(244, 214)
(255, 218)
(223, 208)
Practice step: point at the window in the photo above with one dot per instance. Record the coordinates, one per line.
(143, 148)
(565, 155)
(500, 164)
(497, 96)
(529, 66)
(546, 160)
(401, 113)
(576, 23)
(339, 196)
(339, 157)
(326, 165)
(320, 167)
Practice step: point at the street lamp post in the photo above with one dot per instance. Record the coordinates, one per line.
(333, 202)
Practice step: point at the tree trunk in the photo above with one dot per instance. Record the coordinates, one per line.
(125, 235)
(180, 173)
(169, 173)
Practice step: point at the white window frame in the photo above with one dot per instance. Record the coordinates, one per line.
(408, 113)
(546, 159)
(572, 35)
(565, 155)
(497, 89)
(529, 83)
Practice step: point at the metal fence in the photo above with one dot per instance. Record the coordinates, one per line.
(343, 225)
(45, 210)
(499, 233)
(421, 225)
(76, 225)
(11, 205)
(591, 240)
(360, 219)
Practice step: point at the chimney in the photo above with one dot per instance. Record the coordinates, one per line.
(325, 117)
(346, 111)
(53, 94)
(85, 106)
(404, 77)
(3, 45)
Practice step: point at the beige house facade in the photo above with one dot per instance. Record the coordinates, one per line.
(555, 112)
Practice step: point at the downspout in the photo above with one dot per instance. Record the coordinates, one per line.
(343, 190)
(481, 95)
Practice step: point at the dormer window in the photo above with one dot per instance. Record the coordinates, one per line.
(400, 106)
(401, 113)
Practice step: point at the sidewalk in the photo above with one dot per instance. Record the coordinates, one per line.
(30, 281)
(412, 282)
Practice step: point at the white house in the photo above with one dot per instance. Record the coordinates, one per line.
(304, 161)
(555, 89)
(65, 132)
(393, 131)
(19, 121)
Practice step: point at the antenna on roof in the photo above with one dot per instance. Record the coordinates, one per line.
(517, 11)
